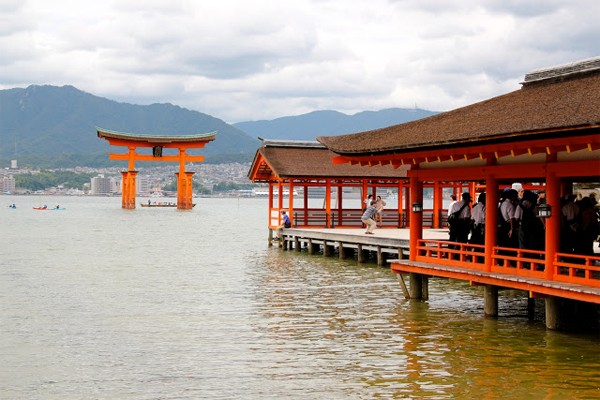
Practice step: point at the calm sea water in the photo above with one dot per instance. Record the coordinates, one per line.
(97, 302)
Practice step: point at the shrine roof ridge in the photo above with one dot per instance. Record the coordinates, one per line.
(290, 143)
(562, 71)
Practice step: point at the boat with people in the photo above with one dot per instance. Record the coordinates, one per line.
(161, 204)
(46, 208)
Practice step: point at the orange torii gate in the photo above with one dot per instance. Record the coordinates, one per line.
(157, 143)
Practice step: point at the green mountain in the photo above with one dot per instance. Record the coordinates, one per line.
(53, 126)
(329, 123)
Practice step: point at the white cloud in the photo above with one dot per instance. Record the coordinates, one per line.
(240, 60)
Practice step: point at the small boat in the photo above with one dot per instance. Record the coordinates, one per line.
(161, 204)
(44, 208)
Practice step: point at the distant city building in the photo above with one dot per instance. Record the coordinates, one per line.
(102, 185)
(143, 184)
(13, 164)
(7, 184)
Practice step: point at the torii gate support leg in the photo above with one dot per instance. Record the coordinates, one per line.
(184, 190)
(129, 190)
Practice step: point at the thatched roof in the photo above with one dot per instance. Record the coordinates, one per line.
(550, 103)
(300, 159)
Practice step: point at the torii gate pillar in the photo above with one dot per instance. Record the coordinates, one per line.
(128, 190)
(184, 190)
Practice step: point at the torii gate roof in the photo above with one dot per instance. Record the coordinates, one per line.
(143, 140)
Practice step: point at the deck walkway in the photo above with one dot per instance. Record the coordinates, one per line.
(387, 243)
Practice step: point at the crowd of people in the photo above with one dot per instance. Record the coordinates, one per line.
(519, 225)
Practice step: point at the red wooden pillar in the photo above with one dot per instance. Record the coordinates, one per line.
(291, 201)
(128, 191)
(416, 219)
(184, 190)
(340, 196)
(407, 206)
(473, 189)
(327, 203)
(400, 198)
(437, 204)
(305, 204)
(491, 219)
(552, 223)
(271, 202)
(279, 201)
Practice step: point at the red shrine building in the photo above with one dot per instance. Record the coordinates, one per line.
(545, 134)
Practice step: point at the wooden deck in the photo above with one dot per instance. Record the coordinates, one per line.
(387, 243)
(392, 246)
(535, 286)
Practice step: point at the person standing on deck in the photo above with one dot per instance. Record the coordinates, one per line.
(379, 206)
(368, 217)
(478, 233)
(508, 225)
(569, 224)
(453, 200)
(459, 229)
(367, 202)
(531, 233)
(588, 229)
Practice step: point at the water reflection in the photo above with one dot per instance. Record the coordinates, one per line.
(350, 325)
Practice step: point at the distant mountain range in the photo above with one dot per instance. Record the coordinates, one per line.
(59, 123)
(50, 126)
(329, 123)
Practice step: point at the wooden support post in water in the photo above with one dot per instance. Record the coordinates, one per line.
(531, 308)
(380, 257)
(310, 246)
(296, 243)
(425, 290)
(270, 237)
(403, 286)
(342, 253)
(400, 253)
(359, 254)
(326, 249)
(552, 313)
(416, 286)
(490, 300)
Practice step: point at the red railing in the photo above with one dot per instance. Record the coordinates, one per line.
(451, 253)
(521, 262)
(583, 270)
(568, 268)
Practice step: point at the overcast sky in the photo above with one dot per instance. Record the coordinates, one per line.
(244, 60)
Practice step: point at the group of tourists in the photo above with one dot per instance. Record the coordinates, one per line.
(579, 224)
(519, 225)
